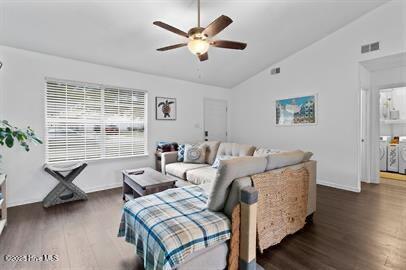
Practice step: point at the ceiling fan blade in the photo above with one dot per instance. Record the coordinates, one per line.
(171, 28)
(171, 47)
(229, 44)
(217, 26)
(203, 57)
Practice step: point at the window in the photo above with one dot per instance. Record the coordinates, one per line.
(88, 122)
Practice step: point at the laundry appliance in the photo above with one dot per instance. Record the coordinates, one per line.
(402, 155)
(393, 158)
(383, 153)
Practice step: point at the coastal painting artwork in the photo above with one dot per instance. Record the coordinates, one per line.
(296, 111)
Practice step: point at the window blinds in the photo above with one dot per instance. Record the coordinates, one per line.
(88, 122)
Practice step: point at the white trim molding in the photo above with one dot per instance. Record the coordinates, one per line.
(338, 186)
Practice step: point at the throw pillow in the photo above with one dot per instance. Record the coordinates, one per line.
(181, 152)
(216, 163)
(195, 154)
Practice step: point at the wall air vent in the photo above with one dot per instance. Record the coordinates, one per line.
(365, 48)
(370, 47)
(275, 71)
(375, 46)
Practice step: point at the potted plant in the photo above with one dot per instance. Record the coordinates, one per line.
(11, 136)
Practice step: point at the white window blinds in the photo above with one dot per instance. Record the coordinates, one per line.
(87, 122)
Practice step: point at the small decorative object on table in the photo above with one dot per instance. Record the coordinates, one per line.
(144, 181)
(165, 108)
(65, 191)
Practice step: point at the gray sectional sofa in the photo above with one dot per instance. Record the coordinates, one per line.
(225, 186)
(205, 174)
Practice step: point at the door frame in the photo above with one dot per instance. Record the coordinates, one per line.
(373, 132)
(365, 123)
(205, 99)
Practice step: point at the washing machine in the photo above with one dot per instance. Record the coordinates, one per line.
(402, 155)
(383, 154)
(393, 158)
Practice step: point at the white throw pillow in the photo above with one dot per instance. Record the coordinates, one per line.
(195, 154)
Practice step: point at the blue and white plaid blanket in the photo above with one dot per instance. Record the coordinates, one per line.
(168, 226)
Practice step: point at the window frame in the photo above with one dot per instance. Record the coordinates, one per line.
(103, 87)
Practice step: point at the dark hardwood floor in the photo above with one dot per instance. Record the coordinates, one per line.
(350, 231)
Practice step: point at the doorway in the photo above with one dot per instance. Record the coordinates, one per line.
(382, 118)
(215, 120)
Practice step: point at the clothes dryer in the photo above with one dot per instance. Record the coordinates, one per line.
(402, 155)
(383, 156)
(393, 158)
(383, 153)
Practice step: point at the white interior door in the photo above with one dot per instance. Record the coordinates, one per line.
(215, 120)
(364, 136)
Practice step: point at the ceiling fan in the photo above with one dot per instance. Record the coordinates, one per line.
(200, 38)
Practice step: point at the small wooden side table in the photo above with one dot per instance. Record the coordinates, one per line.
(151, 181)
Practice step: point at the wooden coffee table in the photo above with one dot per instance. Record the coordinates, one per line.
(151, 181)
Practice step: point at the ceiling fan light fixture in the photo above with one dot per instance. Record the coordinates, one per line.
(198, 46)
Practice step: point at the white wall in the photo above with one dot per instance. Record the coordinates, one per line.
(329, 67)
(22, 82)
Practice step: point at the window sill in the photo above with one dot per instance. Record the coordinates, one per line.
(98, 159)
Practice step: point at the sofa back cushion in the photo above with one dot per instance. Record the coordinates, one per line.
(211, 151)
(264, 152)
(235, 149)
(227, 172)
(283, 159)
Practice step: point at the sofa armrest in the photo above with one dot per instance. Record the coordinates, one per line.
(168, 158)
(248, 233)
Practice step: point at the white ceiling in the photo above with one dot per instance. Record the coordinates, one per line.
(121, 34)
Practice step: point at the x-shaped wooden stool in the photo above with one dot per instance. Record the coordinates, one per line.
(58, 194)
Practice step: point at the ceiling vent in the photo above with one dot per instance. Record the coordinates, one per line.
(370, 47)
(275, 71)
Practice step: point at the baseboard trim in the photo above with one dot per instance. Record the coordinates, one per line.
(87, 190)
(344, 187)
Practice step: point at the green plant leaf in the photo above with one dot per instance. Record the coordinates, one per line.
(9, 141)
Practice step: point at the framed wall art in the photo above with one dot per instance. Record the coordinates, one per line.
(165, 108)
(296, 111)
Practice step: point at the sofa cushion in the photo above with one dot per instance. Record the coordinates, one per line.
(179, 169)
(227, 172)
(211, 151)
(233, 197)
(216, 162)
(235, 149)
(283, 159)
(195, 154)
(264, 152)
(201, 175)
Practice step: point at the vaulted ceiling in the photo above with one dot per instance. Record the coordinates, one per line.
(121, 34)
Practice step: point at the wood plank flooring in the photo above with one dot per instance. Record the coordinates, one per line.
(350, 231)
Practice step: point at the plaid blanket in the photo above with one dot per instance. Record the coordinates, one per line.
(168, 226)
